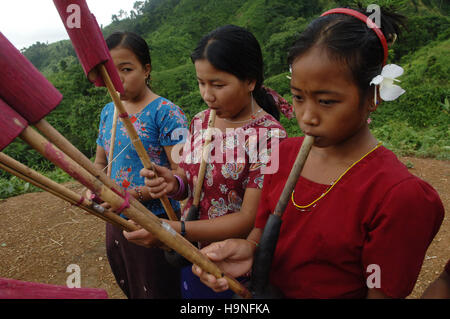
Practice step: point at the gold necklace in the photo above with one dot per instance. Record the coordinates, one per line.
(305, 207)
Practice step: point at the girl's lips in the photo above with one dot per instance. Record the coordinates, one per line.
(316, 138)
(309, 133)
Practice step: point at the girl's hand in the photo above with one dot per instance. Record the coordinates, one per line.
(233, 256)
(165, 184)
(141, 237)
(89, 195)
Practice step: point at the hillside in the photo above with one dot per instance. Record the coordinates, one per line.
(416, 124)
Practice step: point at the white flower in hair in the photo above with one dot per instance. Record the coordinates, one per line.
(388, 90)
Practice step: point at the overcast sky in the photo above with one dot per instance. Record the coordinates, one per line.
(25, 22)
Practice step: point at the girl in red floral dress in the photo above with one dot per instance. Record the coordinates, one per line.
(229, 67)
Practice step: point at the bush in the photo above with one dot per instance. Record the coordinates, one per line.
(405, 140)
(13, 186)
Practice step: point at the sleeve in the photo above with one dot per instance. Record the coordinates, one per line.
(102, 127)
(264, 210)
(268, 149)
(399, 234)
(172, 124)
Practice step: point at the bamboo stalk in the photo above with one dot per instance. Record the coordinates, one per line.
(161, 230)
(29, 175)
(202, 169)
(113, 141)
(264, 253)
(193, 212)
(64, 145)
(300, 160)
(137, 143)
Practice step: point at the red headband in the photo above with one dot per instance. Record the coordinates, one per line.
(366, 20)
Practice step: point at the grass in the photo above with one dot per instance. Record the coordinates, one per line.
(14, 186)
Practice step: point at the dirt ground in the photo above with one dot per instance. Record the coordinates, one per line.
(41, 235)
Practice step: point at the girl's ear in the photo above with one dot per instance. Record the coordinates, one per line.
(251, 85)
(147, 70)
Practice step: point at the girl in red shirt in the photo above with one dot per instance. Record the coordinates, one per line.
(358, 223)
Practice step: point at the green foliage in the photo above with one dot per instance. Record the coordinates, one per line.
(405, 139)
(426, 84)
(416, 124)
(192, 103)
(422, 30)
(276, 48)
(14, 186)
(11, 185)
(78, 115)
(48, 56)
(280, 83)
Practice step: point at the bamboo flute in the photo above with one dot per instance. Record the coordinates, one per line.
(161, 230)
(27, 174)
(113, 141)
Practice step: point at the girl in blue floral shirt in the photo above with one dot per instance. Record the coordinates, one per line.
(140, 272)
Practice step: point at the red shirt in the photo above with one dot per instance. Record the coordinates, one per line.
(377, 214)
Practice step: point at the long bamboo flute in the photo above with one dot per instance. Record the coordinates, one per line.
(161, 230)
(52, 191)
(113, 141)
(134, 137)
(70, 150)
(193, 212)
(300, 160)
(205, 153)
(27, 174)
(262, 260)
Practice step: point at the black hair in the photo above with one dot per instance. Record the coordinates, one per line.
(235, 50)
(350, 41)
(133, 42)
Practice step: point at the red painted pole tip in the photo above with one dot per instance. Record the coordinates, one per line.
(11, 123)
(23, 87)
(87, 40)
(16, 289)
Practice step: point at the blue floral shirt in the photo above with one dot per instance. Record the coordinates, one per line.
(154, 125)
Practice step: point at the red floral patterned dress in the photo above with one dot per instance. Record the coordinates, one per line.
(238, 160)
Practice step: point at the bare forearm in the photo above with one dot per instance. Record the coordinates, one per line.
(235, 225)
(100, 161)
(255, 235)
(99, 166)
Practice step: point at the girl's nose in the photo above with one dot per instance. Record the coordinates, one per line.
(208, 95)
(122, 78)
(309, 115)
